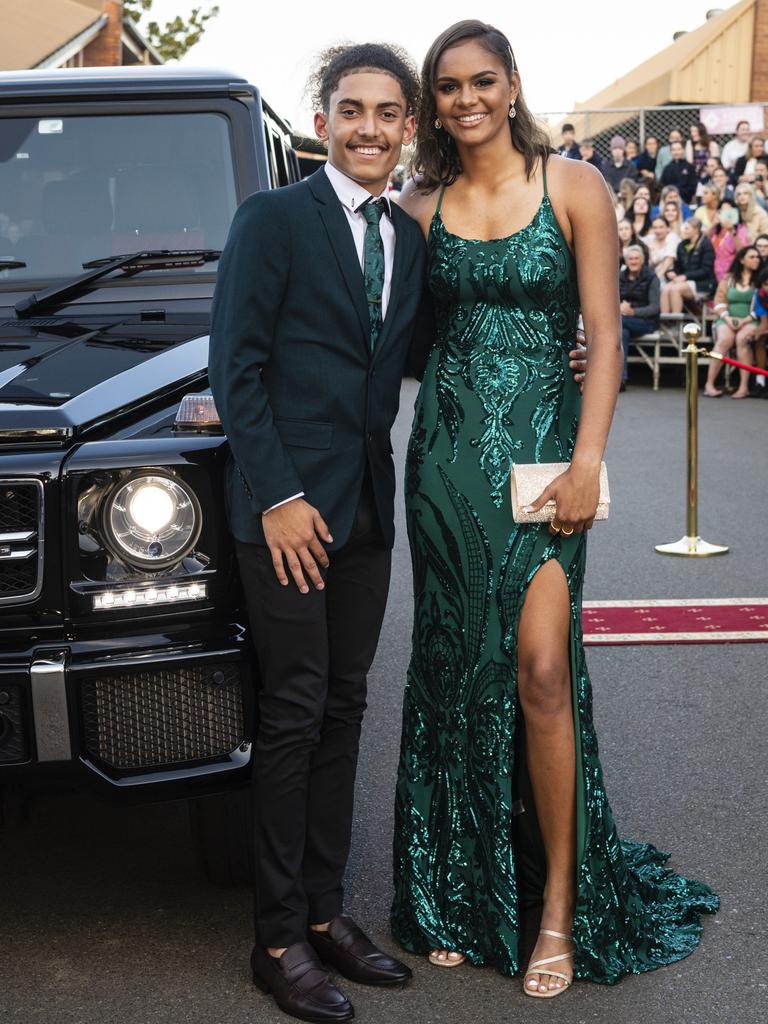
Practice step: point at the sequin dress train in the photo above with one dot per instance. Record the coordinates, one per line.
(497, 389)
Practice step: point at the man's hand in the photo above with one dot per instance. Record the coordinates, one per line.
(577, 359)
(294, 532)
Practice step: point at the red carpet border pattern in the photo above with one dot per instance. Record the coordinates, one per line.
(709, 621)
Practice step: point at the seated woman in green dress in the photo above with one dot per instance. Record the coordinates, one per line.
(736, 324)
(500, 802)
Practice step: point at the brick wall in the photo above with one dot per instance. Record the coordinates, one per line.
(106, 50)
(759, 89)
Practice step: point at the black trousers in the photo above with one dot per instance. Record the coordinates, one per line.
(314, 653)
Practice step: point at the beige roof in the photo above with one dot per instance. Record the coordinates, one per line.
(712, 64)
(34, 29)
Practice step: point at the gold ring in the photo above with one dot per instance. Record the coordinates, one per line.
(566, 532)
(555, 526)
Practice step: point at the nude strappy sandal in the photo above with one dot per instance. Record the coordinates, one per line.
(435, 954)
(539, 967)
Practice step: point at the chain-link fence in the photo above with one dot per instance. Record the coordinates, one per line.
(634, 123)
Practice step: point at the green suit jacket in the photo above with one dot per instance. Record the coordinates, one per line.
(304, 401)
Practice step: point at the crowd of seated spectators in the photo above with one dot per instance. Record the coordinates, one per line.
(693, 231)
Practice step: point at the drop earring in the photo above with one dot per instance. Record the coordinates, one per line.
(512, 111)
(438, 123)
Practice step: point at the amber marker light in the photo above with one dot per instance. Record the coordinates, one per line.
(198, 414)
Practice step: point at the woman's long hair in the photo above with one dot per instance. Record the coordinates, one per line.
(676, 202)
(436, 158)
(634, 240)
(704, 139)
(741, 187)
(737, 267)
(698, 228)
(630, 215)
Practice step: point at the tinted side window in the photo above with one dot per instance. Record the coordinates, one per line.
(283, 177)
(283, 164)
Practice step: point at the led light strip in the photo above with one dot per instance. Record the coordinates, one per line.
(175, 594)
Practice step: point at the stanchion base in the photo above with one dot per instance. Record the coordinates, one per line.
(692, 547)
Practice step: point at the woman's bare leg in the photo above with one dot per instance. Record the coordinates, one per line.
(723, 345)
(544, 688)
(745, 337)
(678, 291)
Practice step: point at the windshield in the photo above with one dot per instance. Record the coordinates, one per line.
(73, 189)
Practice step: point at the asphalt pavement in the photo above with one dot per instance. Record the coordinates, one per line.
(105, 917)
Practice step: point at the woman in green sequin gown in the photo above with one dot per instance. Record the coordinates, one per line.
(497, 390)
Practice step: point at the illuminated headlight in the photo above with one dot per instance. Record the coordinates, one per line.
(173, 594)
(151, 521)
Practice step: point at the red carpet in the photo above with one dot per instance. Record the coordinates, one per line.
(710, 621)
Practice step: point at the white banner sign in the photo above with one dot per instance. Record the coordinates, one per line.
(723, 120)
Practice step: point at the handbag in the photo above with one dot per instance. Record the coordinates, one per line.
(529, 479)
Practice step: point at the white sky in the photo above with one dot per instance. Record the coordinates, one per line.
(567, 50)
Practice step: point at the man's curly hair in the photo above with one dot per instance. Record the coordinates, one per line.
(346, 58)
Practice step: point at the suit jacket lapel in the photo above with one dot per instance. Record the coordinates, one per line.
(339, 235)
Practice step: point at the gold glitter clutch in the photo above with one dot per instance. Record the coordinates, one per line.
(529, 479)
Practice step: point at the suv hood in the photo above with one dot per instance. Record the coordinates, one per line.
(57, 379)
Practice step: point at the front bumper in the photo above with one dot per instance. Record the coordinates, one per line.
(171, 710)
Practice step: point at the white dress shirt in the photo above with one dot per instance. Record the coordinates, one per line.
(352, 196)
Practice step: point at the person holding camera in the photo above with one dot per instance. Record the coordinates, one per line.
(727, 236)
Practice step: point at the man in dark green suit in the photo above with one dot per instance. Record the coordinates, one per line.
(314, 315)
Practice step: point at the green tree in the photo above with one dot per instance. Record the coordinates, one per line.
(173, 39)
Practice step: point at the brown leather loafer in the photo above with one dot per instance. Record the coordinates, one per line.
(349, 951)
(300, 984)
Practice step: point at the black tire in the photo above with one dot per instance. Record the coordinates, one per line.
(222, 826)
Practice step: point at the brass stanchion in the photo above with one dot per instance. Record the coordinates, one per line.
(691, 544)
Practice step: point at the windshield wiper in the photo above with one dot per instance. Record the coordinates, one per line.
(11, 264)
(133, 263)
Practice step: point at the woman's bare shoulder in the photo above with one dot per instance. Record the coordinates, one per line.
(577, 189)
(418, 203)
(565, 173)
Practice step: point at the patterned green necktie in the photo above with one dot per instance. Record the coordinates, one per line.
(373, 264)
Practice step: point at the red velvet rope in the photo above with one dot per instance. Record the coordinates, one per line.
(744, 366)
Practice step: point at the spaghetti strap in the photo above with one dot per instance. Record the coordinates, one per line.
(544, 172)
(440, 199)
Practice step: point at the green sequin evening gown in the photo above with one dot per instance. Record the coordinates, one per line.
(497, 389)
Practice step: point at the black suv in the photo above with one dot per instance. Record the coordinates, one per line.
(124, 661)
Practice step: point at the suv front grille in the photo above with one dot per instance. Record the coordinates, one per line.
(164, 716)
(21, 531)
